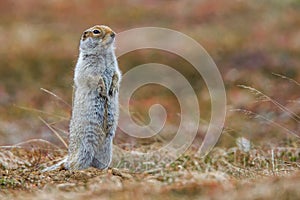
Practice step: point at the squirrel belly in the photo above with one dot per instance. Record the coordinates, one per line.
(94, 118)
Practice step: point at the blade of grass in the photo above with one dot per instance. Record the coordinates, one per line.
(40, 111)
(59, 98)
(293, 115)
(287, 78)
(55, 132)
(250, 113)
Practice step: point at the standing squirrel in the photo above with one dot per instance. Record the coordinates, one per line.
(95, 102)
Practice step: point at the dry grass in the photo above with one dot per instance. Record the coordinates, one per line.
(224, 173)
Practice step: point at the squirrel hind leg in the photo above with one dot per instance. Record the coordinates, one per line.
(100, 164)
(87, 150)
(83, 160)
(103, 157)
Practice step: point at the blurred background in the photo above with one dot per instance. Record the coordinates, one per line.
(254, 43)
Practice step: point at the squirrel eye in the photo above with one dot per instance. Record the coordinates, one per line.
(96, 31)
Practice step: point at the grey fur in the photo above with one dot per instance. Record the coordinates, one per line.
(95, 103)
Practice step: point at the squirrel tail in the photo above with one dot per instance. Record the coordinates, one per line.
(56, 166)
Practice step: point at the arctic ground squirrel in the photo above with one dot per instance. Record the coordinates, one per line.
(95, 107)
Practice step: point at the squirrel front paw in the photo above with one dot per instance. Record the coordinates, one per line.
(114, 88)
(102, 88)
(113, 91)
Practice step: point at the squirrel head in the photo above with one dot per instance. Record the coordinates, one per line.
(97, 39)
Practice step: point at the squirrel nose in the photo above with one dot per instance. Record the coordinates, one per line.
(85, 35)
(112, 35)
